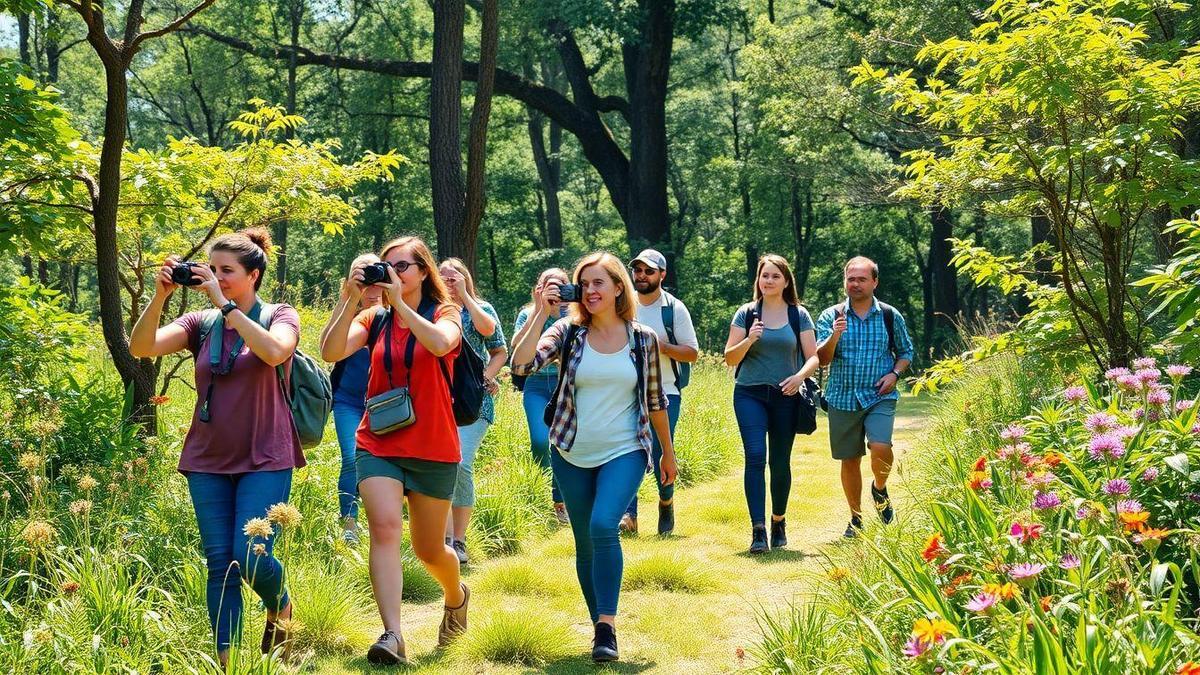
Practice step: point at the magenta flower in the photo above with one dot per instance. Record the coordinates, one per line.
(1178, 371)
(1183, 406)
(1106, 444)
(1126, 431)
(981, 603)
(1084, 512)
(1131, 383)
(1129, 506)
(1144, 362)
(1150, 474)
(1044, 501)
(915, 648)
(1114, 373)
(1196, 428)
(1013, 432)
(1100, 422)
(1025, 573)
(1075, 394)
(1069, 562)
(1158, 396)
(1116, 486)
(1148, 375)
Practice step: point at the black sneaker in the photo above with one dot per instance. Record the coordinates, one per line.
(778, 536)
(883, 504)
(854, 528)
(758, 539)
(604, 645)
(666, 518)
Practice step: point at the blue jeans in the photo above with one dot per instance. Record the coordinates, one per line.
(596, 498)
(765, 415)
(223, 504)
(470, 438)
(539, 388)
(665, 492)
(346, 418)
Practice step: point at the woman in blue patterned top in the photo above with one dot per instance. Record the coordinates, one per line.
(539, 387)
(349, 379)
(481, 331)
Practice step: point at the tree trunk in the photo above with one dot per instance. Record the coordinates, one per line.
(943, 276)
(23, 38)
(494, 267)
(803, 227)
(445, 119)
(548, 175)
(280, 236)
(476, 198)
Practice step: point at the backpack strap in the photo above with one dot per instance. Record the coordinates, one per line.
(382, 314)
(793, 313)
(639, 360)
(889, 322)
(208, 319)
(668, 319)
(755, 316)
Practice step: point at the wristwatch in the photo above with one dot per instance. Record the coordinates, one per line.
(228, 307)
(896, 373)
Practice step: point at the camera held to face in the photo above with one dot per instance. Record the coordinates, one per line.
(375, 273)
(181, 273)
(569, 293)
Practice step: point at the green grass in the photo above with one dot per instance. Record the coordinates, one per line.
(670, 571)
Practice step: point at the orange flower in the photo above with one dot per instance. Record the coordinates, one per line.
(981, 463)
(979, 480)
(1052, 459)
(160, 400)
(1044, 601)
(1150, 538)
(1006, 591)
(1135, 521)
(957, 581)
(932, 631)
(933, 548)
(1189, 668)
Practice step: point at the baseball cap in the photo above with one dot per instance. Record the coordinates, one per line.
(651, 258)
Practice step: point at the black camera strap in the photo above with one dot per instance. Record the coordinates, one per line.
(218, 365)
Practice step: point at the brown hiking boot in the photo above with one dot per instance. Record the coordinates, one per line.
(277, 634)
(628, 524)
(454, 620)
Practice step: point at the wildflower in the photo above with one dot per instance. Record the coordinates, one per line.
(1114, 373)
(932, 630)
(1129, 506)
(1150, 538)
(69, 587)
(1045, 601)
(916, 648)
(1075, 394)
(1100, 422)
(259, 550)
(1158, 396)
(87, 483)
(1125, 432)
(979, 481)
(160, 400)
(30, 461)
(1106, 444)
(1025, 573)
(80, 507)
(1150, 474)
(1130, 383)
(1052, 459)
(38, 534)
(284, 514)
(1148, 376)
(1117, 590)
(1044, 501)
(1038, 478)
(1177, 371)
(1188, 668)
(1184, 405)
(1135, 521)
(980, 463)
(1069, 561)
(1024, 532)
(981, 603)
(933, 548)
(258, 527)
(1004, 591)
(1144, 362)
(957, 581)
(1013, 432)
(839, 574)
(290, 626)
(1116, 486)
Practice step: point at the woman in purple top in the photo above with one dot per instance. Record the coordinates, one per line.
(242, 446)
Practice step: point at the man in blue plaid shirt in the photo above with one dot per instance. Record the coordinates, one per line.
(866, 345)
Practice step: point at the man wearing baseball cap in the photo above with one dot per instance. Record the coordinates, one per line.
(677, 349)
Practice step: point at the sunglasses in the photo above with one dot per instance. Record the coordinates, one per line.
(644, 271)
(403, 265)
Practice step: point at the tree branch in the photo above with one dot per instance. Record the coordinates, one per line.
(170, 27)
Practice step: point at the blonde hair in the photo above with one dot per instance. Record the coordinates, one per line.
(461, 267)
(789, 293)
(432, 288)
(620, 278)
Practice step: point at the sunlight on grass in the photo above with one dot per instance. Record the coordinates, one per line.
(672, 571)
(525, 577)
(518, 636)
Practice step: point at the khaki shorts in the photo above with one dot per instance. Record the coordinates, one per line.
(851, 430)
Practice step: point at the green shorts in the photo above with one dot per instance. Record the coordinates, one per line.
(422, 476)
(849, 428)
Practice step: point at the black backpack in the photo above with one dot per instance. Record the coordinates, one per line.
(466, 386)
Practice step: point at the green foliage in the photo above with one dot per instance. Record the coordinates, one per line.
(1176, 286)
(673, 572)
(522, 636)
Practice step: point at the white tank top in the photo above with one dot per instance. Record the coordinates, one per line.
(606, 405)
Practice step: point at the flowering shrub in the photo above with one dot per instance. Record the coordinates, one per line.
(1070, 547)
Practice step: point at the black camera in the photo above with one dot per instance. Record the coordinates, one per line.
(569, 293)
(181, 274)
(375, 273)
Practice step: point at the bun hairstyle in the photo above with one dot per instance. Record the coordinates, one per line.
(251, 246)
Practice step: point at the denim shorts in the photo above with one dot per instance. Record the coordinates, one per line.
(423, 476)
(849, 428)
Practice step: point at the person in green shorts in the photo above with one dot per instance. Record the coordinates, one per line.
(866, 345)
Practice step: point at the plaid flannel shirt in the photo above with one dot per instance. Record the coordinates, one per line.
(566, 417)
(863, 355)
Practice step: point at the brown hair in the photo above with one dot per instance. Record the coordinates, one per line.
(862, 260)
(251, 246)
(789, 293)
(461, 267)
(432, 288)
(616, 271)
(552, 271)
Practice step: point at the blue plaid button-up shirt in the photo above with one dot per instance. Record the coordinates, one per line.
(863, 355)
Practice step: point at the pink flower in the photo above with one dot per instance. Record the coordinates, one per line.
(1148, 375)
(1025, 573)
(1178, 371)
(1145, 362)
(1150, 474)
(1025, 532)
(1046, 500)
(1131, 383)
(1126, 431)
(1100, 422)
(1183, 406)
(1129, 506)
(1158, 396)
(1114, 373)
(981, 603)
(1106, 444)
(1075, 394)
(1069, 562)
(915, 648)
(1013, 432)
(1117, 486)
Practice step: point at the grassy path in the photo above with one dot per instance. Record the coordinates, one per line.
(689, 602)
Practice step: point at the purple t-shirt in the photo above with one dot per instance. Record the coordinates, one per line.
(250, 426)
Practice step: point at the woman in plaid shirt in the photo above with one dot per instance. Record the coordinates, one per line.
(610, 393)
